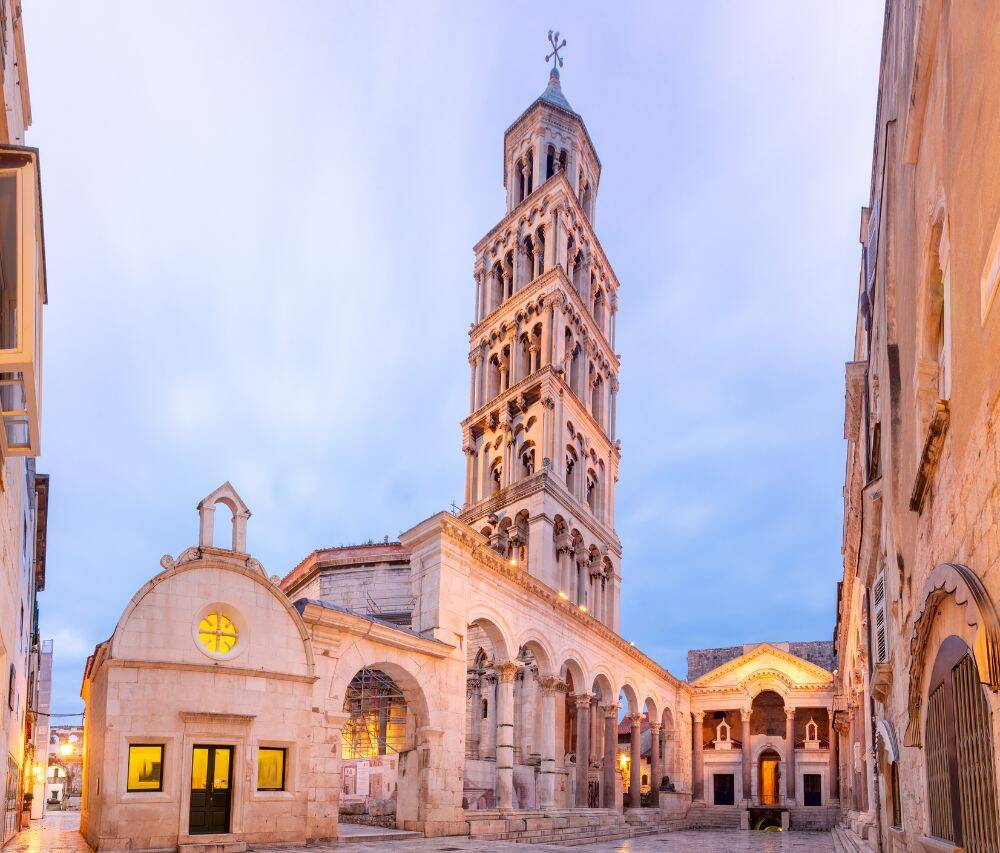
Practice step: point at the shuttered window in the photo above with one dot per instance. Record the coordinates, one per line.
(879, 618)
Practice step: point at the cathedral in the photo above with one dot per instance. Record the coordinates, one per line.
(470, 678)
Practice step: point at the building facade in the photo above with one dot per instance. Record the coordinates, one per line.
(23, 492)
(917, 632)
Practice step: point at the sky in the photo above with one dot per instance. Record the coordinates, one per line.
(259, 220)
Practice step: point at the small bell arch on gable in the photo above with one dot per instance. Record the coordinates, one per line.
(227, 496)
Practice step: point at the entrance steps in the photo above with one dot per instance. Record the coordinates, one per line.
(814, 818)
(845, 841)
(558, 827)
(354, 833)
(701, 816)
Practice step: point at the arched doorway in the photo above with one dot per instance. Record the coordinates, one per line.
(769, 778)
(385, 711)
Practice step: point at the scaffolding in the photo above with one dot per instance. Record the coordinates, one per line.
(377, 716)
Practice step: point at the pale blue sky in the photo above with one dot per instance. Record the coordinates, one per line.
(259, 222)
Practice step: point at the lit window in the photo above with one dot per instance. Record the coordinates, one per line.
(145, 767)
(217, 633)
(270, 769)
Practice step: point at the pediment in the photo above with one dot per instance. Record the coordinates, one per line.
(764, 663)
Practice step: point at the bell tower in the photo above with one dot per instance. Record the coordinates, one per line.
(542, 459)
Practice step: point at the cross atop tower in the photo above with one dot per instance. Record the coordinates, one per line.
(557, 60)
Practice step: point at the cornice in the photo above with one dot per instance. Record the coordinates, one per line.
(518, 301)
(538, 482)
(213, 668)
(460, 532)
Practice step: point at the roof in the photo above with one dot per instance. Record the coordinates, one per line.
(553, 93)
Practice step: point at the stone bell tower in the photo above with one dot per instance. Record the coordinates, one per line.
(542, 459)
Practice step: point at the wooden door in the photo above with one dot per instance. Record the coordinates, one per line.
(211, 787)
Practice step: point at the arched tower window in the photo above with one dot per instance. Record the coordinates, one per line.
(571, 472)
(550, 161)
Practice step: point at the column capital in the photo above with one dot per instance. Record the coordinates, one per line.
(635, 719)
(745, 714)
(506, 671)
(609, 710)
(582, 700)
(552, 684)
(789, 713)
(699, 716)
(655, 728)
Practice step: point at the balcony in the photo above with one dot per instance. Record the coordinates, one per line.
(22, 294)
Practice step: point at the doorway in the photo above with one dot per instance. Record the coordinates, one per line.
(770, 776)
(812, 789)
(211, 785)
(724, 789)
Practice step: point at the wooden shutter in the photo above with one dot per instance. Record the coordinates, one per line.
(880, 619)
(871, 246)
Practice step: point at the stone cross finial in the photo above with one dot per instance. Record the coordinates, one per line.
(557, 60)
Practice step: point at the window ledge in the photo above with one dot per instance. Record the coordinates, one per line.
(881, 682)
(273, 796)
(936, 430)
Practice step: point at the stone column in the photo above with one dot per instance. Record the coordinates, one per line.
(698, 764)
(609, 780)
(505, 734)
(834, 770)
(655, 766)
(470, 467)
(635, 770)
(547, 748)
(581, 579)
(490, 724)
(475, 693)
(790, 758)
(747, 758)
(582, 702)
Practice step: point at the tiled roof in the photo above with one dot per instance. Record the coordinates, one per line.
(553, 93)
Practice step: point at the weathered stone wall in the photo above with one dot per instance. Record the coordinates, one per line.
(700, 661)
(381, 590)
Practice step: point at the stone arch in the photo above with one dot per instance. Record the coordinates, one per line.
(542, 651)
(631, 697)
(227, 496)
(602, 687)
(650, 707)
(982, 634)
(496, 630)
(423, 745)
(571, 667)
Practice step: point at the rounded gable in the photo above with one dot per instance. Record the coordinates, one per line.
(248, 622)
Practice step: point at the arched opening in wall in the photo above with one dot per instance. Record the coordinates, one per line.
(372, 740)
(572, 474)
(669, 746)
(767, 719)
(539, 251)
(493, 376)
(535, 348)
(579, 273)
(505, 368)
(519, 540)
(961, 778)
(576, 372)
(592, 490)
(223, 521)
(496, 476)
(769, 778)
(570, 256)
(529, 172)
(550, 161)
(563, 160)
(586, 199)
(597, 400)
(602, 491)
(484, 650)
(527, 458)
(508, 274)
(628, 707)
(497, 295)
(598, 307)
(935, 318)
(524, 356)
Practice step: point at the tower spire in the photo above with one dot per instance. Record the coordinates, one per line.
(557, 60)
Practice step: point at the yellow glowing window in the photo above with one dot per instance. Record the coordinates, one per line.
(145, 767)
(270, 769)
(217, 633)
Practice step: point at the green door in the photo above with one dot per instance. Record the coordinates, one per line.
(211, 784)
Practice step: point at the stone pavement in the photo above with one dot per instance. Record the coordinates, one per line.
(690, 841)
(57, 832)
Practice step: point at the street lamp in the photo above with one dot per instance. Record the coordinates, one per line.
(65, 749)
